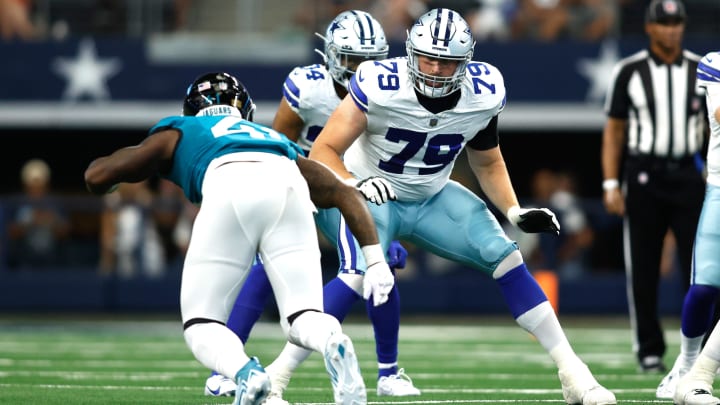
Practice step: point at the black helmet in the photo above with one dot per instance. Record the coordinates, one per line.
(218, 88)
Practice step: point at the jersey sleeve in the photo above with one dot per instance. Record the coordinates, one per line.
(617, 102)
(491, 84)
(166, 123)
(357, 87)
(291, 90)
(708, 70)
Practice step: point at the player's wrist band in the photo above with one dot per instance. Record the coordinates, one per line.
(373, 254)
(610, 184)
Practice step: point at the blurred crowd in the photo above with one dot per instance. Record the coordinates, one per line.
(499, 20)
(141, 230)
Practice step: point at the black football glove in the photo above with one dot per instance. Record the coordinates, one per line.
(534, 220)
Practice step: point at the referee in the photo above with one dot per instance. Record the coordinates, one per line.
(656, 127)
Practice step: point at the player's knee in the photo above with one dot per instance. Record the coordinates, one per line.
(312, 322)
(354, 281)
(510, 262)
(201, 333)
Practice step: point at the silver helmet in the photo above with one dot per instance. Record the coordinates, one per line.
(442, 34)
(351, 38)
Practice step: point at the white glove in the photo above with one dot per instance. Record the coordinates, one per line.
(378, 280)
(533, 220)
(375, 189)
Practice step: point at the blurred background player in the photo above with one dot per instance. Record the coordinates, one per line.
(38, 228)
(310, 94)
(699, 305)
(257, 194)
(402, 125)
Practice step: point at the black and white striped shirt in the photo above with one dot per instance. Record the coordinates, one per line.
(664, 108)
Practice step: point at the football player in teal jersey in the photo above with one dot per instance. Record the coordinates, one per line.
(257, 195)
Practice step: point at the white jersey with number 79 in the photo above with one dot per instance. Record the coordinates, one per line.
(411, 147)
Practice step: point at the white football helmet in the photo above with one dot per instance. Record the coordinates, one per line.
(351, 38)
(443, 34)
(708, 70)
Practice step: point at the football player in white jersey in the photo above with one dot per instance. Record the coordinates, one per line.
(310, 94)
(402, 125)
(690, 380)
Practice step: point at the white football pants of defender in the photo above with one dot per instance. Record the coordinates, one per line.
(252, 202)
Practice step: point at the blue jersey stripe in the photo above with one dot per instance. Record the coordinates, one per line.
(707, 73)
(291, 92)
(357, 94)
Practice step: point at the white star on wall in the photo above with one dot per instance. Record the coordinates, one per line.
(86, 74)
(598, 71)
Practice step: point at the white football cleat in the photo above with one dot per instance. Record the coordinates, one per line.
(396, 385)
(579, 387)
(697, 396)
(694, 390)
(218, 385)
(666, 388)
(342, 365)
(273, 399)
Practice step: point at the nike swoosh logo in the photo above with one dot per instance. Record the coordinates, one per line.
(212, 391)
(360, 77)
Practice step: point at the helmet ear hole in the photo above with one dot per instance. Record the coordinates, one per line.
(352, 34)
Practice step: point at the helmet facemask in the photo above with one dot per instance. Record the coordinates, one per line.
(439, 34)
(352, 38)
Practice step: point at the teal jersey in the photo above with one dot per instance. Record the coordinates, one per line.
(205, 138)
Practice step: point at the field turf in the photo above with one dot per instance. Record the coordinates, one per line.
(457, 361)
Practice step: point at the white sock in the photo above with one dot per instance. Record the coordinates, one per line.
(217, 348)
(290, 358)
(704, 369)
(689, 350)
(542, 322)
(310, 331)
(384, 366)
(712, 346)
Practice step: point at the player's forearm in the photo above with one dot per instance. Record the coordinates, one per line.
(498, 188)
(329, 157)
(494, 179)
(358, 218)
(130, 165)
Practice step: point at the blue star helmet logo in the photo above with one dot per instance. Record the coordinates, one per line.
(335, 26)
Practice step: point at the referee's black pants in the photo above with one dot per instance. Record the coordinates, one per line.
(659, 196)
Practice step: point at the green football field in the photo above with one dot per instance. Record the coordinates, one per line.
(473, 360)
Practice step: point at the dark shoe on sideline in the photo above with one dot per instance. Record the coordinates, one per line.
(652, 365)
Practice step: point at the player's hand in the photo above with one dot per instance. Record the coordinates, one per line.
(396, 255)
(534, 220)
(378, 282)
(376, 189)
